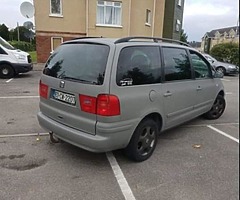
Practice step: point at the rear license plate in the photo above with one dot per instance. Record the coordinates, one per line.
(63, 97)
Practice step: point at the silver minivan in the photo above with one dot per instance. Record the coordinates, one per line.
(104, 94)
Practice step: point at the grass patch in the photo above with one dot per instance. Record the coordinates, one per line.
(33, 55)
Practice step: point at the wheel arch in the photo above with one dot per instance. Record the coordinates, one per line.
(222, 93)
(7, 63)
(156, 117)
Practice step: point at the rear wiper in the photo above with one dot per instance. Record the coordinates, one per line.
(78, 80)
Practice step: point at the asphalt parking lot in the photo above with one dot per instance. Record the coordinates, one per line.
(198, 160)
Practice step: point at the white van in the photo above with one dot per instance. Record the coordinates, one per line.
(13, 61)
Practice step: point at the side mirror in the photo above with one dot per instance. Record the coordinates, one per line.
(217, 74)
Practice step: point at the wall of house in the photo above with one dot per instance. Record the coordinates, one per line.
(178, 15)
(108, 31)
(223, 40)
(72, 20)
(220, 40)
(138, 17)
(172, 13)
(159, 18)
(79, 19)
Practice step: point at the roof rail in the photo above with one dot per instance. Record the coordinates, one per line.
(155, 39)
(80, 38)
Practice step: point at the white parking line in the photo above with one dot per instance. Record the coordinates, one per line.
(19, 97)
(223, 79)
(229, 93)
(203, 125)
(24, 135)
(224, 134)
(9, 80)
(122, 182)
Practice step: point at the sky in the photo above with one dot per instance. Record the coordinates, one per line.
(200, 16)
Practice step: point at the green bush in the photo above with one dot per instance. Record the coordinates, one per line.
(24, 46)
(228, 52)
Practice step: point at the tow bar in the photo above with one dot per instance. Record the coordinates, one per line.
(53, 139)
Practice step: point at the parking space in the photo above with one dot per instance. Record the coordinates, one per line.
(179, 170)
(192, 161)
(32, 169)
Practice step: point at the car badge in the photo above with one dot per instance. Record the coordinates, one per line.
(62, 84)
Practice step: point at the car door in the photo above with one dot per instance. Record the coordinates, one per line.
(206, 88)
(179, 93)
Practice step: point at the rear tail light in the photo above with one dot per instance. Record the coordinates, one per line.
(43, 90)
(88, 104)
(108, 105)
(104, 105)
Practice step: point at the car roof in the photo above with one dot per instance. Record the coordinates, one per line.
(132, 40)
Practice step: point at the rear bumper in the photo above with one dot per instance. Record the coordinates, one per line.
(22, 68)
(106, 139)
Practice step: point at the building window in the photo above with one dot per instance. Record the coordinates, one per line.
(55, 42)
(178, 25)
(148, 17)
(180, 3)
(56, 7)
(109, 13)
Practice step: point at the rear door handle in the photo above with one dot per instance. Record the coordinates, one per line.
(167, 94)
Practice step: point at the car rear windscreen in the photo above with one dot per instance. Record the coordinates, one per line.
(80, 62)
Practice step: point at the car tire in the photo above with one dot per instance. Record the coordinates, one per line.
(217, 108)
(6, 71)
(221, 69)
(143, 141)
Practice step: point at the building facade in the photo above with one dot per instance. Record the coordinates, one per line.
(218, 36)
(173, 19)
(59, 20)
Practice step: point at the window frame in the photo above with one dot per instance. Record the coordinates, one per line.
(140, 46)
(148, 17)
(2, 51)
(178, 25)
(179, 3)
(205, 60)
(55, 37)
(56, 14)
(163, 65)
(104, 7)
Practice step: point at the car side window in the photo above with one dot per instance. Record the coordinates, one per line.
(2, 51)
(139, 65)
(176, 64)
(200, 66)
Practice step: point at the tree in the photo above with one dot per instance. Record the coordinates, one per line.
(228, 52)
(183, 36)
(23, 32)
(4, 33)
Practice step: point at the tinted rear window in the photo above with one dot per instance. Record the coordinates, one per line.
(82, 62)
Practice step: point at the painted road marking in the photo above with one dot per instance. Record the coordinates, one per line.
(19, 97)
(223, 133)
(122, 182)
(229, 93)
(223, 79)
(204, 125)
(9, 80)
(24, 135)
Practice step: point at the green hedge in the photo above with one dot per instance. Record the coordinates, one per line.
(24, 46)
(228, 52)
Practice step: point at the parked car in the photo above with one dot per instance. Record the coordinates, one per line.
(225, 68)
(104, 94)
(13, 61)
